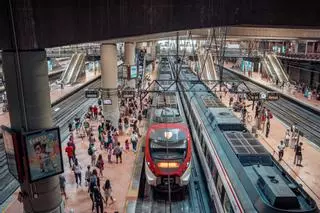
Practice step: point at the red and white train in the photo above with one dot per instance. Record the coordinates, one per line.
(168, 145)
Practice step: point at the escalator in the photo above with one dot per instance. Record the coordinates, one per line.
(80, 67)
(76, 65)
(69, 68)
(202, 67)
(212, 67)
(269, 69)
(278, 68)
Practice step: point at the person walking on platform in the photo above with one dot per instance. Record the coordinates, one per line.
(118, 152)
(62, 181)
(281, 147)
(98, 200)
(287, 138)
(94, 183)
(77, 172)
(126, 125)
(108, 192)
(298, 154)
(134, 141)
(69, 151)
(100, 165)
(230, 101)
(268, 128)
(127, 145)
(87, 176)
(120, 126)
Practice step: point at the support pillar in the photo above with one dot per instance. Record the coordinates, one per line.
(129, 60)
(30, 109)
(109, 82)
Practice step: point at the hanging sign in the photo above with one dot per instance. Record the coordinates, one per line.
(92, 94)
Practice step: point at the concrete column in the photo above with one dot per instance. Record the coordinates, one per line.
(129, 57)
(109, 83)
(30, 109)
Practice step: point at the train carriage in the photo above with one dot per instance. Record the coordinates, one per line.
(168, 142)
(242, 176)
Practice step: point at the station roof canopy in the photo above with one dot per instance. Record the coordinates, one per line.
(43, 24)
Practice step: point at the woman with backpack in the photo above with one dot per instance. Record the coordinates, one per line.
(100, 165)
(108, 192)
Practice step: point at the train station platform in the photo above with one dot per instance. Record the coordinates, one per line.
(308, 174)
(121, 175)
(289, 93)
(57, 94)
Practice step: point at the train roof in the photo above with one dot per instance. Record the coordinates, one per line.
(252, 169)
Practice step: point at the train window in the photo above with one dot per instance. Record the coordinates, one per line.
(199, 129)
(220, 187)
(205, 150)
(201, 139)
(227, 205)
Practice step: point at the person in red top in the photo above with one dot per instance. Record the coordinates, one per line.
(95, 112)
(69, 151)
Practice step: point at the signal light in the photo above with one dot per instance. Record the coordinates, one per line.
(168, 165)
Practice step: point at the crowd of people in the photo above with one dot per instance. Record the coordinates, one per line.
(103, 148)
(262, 117)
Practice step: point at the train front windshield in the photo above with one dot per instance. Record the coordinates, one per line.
(168, 144)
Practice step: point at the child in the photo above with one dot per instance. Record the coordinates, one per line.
(127, 144)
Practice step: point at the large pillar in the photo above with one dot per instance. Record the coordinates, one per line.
(129, 59)
(109, 83)
(30, 109)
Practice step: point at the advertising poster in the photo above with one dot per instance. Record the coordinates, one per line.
(44, 154)
(133, 72)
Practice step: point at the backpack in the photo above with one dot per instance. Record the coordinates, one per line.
(90, 151)
(117, 151)
(86, 125)
(270, 115)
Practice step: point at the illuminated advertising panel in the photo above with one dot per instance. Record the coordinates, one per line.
(133, 72)
(43, 150)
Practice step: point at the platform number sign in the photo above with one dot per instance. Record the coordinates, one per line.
(92, 93)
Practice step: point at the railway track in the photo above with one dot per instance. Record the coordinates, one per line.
(193, 199)
(62, 114)
(288, 112)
